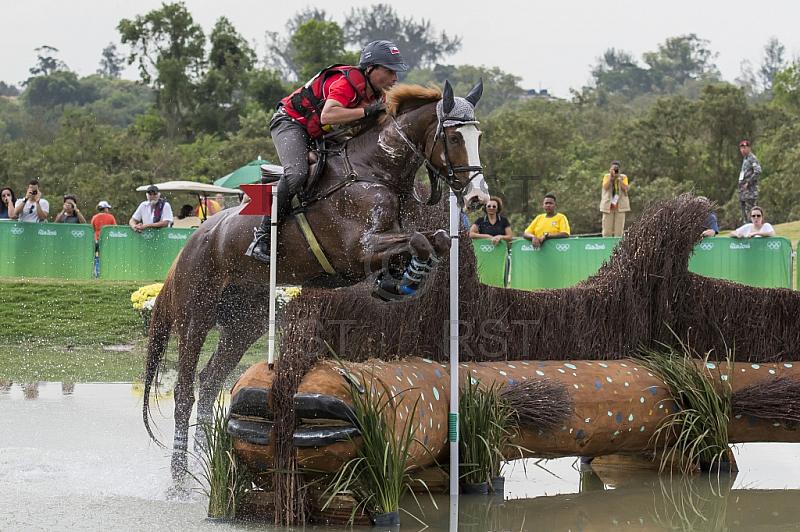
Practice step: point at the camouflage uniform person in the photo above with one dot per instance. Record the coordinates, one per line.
(748, 180)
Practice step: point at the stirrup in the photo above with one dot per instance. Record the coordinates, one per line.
(256, 251)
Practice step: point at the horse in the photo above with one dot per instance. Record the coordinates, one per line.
(354, 210)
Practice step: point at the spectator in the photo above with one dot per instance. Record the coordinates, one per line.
(69, 213)
(154, 212)
(204, 212)
(492, 225)
(7, 211)
(220, 201)
(186, 210)
(710, 225)
(102, 218)
(748, 180)
(758, 227)
(549, 225)
(34, 208)
(614, 202)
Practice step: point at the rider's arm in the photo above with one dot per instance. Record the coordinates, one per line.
(334, 113)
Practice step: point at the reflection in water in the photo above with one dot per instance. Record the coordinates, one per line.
(697, 503)
(87, 459)
(30, 390)
(5, 386)
(67, 388)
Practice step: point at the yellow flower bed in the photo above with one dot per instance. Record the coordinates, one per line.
(145, 294)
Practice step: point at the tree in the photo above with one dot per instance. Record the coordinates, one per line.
(772, 63)
(787, 87)
(46, 63)
(681, 59)
(8, 90)
(319, 44)
(220, 94)
(280, 50)
(618, 72)
(417, 41)
(111, 63)
(58, 88)
(169, 48)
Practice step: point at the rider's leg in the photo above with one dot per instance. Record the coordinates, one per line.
(291, 143)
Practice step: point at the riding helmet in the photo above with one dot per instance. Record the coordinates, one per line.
(383, 53)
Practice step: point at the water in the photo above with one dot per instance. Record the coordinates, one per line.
(78, 457)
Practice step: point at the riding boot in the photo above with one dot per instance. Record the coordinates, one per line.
(260, 247)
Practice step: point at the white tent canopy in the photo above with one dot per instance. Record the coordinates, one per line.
(189, 186)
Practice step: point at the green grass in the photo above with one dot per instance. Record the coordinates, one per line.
(60, 331)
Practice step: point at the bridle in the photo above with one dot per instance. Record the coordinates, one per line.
(434, 174)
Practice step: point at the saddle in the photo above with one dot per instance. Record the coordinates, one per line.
(317, 156)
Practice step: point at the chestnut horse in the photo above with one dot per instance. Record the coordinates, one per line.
(212, 282)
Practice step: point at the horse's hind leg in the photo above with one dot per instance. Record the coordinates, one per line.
(233, 343)
(190, 341)
(242, 315)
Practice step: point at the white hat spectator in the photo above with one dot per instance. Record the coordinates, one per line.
(103, 205)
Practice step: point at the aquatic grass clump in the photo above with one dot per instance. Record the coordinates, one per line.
(486, 426)
(377, 477)
(223, 478)
(696, 432)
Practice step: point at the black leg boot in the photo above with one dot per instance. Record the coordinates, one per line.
(260, 247)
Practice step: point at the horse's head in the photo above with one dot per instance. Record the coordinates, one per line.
(456, 149)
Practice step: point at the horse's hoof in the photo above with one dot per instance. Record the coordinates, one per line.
(387, 290)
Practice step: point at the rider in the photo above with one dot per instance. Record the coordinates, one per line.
(336, 96)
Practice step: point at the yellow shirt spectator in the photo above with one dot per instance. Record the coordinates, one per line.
(201, 209)
(553, 224)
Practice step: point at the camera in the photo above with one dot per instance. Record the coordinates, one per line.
(616, 169)
(34, 192)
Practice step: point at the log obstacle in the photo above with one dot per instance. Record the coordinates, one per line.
(615, 406)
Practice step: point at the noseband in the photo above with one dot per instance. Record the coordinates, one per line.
(433, 172)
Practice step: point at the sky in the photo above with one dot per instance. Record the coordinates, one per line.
(551, 45)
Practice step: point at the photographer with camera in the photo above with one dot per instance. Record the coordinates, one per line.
(70, 213)
(614, 202)
(33, 207)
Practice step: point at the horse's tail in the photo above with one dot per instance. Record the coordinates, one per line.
(157, 340)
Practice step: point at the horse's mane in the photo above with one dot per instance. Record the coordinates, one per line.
(402, 97)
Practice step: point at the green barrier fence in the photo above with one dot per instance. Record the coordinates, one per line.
(492, 261)
(764, 262)
(58, 251)
(558, 263)
(131, 256)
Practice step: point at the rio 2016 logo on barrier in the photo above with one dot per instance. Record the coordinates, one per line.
(78, 233)
(528, 248)
(595, 247)
(562, 247)
(740, 246)
(774, 245)
(487, 248)
(707, 246)
(176, 236)
(117, 234)
(17, 230)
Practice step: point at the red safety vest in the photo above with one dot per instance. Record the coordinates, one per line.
(307, 101)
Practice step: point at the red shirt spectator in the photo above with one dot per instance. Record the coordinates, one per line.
(104, 217)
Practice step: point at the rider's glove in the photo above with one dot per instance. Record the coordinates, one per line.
(373, 109)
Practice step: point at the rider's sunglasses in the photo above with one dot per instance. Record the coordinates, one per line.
(755, 216)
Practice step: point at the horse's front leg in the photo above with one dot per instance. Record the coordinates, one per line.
(404, 261)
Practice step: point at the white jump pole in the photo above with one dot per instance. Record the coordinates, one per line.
(455, 222)
(273, 274)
